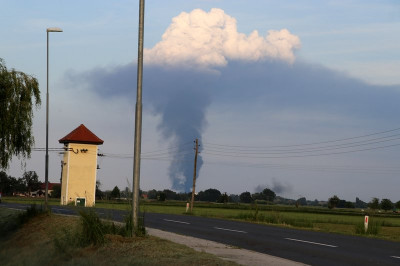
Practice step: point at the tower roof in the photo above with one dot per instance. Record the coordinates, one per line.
(81, 135)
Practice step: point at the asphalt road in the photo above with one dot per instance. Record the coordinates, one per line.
(314, 248)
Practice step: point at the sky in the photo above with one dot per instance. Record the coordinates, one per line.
(298, 96)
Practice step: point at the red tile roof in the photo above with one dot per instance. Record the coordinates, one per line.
(51, 185)
(81, 135)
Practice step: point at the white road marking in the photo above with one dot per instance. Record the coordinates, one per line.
(309, 242)
(231, 230)
(173, 221)
(396, 257)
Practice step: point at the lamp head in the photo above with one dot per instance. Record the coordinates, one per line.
(54, 29)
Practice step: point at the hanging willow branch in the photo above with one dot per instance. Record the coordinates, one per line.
(18, 93)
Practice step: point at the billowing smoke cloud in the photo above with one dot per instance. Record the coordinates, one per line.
(276, 186)
(210, 39)
(181, 95)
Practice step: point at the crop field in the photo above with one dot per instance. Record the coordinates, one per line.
(384, 225)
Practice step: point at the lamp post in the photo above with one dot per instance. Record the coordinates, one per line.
(46, 173)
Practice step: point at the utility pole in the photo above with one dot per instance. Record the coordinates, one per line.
(138, 124)
(194, 174)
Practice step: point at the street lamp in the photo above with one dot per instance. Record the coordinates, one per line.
(46, 173)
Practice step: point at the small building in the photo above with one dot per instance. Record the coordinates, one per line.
(41, 191)
(79, 167)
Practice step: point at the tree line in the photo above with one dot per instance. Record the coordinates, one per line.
(25, 185)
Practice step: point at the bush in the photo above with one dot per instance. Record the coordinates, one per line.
(16, 221)
(373, 228)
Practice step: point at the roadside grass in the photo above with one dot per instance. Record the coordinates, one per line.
(35, 244)
(343, 221)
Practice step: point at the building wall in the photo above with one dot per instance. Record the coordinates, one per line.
(79, 174)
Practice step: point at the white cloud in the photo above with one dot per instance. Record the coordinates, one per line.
(210, 39)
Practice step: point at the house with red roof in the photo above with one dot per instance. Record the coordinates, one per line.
(79, 169)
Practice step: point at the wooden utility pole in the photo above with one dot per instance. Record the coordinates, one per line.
(194, 174)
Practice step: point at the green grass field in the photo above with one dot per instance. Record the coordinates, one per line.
(342, 221)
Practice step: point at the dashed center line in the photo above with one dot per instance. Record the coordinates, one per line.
(173, 221)
(396, 257)
(231, 230)
(309, 242)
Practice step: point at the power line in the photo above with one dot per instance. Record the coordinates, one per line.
(305, 144)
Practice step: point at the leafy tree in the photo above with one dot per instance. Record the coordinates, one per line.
(360, 204)
(386, 204)
(245, 197)
(234, 198)
(211, 195)
(31, 181)
(397, 205)
(266, 194)
(374, 204)
(170, 195)
(333, 202)
(18, 93)
(302, 201)
(224, 198)
(152, 194)
(115, 193)
(56, 193)
(99, 194)
(6, 187)
(269, 194)
(161, 196)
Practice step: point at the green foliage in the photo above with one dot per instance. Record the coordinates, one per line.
(210, 195)
(267, 194)
(16, 221)
(386, 204)
(373, 228)
(333, 202)
(31, 181)
(374, 204)
(56, 193)
(245, 197)
(92, 229)
(18, 93)
(397, 205)
(115, 193)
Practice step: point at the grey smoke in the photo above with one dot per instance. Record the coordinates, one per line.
(276, 187)
(181, 98)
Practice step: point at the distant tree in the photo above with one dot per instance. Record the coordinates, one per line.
(115, 193)
(99, 194)
(6, 187)
(211, 195)
(161, 196)
(397, 205)
(224, 198)
(18, 93)
(360, 204)
(126, 193)
(234, 198)
(374, 204)
(269, 194)
(302, 201)
(152, 194)
(333, 202)
(245, 197)
(170, 195)
(56, 193)
(31, 181)
(386, 204)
